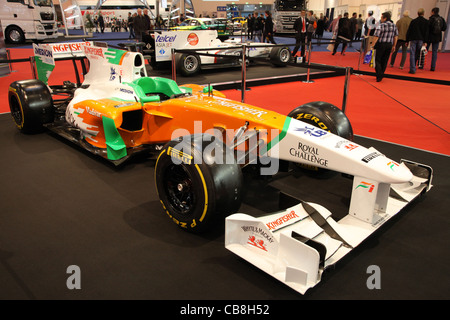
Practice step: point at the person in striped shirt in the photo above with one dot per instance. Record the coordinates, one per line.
(386, 35)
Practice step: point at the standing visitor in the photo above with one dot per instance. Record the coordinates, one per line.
(250, 26)
(320, 28)
(300, 26)
(130, 26)
(310, 29)
(101, 22)
(268, 28)
(139, 24)
(437, 26)
(353, 27)
(344, 34)
(402, 26)
(148, 21)
(258, 27)
(359, 25)
(370, 24)
(386, 35)
(369, 29)
(417, 36)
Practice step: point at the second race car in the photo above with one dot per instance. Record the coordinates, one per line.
(205, 50)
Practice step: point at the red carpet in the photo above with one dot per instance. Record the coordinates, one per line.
(351, 60)
(403, 112)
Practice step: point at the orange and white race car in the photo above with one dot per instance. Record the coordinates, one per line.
(204, 142)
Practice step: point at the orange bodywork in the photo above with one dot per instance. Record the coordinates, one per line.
(169, 119)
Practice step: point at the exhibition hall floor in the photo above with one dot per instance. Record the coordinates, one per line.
(61, 206)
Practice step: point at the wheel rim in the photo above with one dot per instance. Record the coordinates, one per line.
(190, 63)
(178, 186)
(284, 55)
(14, 35)
(16, 111)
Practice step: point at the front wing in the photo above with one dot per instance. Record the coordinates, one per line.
(297, 244)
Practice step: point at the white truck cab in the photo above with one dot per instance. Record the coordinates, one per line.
(28, 20)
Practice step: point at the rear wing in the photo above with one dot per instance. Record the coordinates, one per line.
(105, 63)
(45, 56)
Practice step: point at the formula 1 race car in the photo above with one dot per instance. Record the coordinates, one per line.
(204, 142)
(207, 51)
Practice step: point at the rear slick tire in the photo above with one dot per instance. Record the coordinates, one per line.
(31, 105)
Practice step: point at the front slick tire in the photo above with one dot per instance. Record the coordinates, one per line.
(327, 117)
(197, 187)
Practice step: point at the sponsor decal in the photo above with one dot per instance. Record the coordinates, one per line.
(312, 131)
(112, 74)
(93, 112)
(93, 51)
(282, 220)
(164, 41)
(350, 147)
(346, 145)
(238, 107)
(365, 185)
(371, 156)
(258, 243)
(392, 165)
(259, 238)
(192, 39)
(179, 155)
(126, 91)
(313, 118)
(165, 38)
(43, 52)
(308, 153)
(69, 47)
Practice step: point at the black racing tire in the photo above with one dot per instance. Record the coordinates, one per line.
(280, 56)
(14, 35)
(197, 194)
(327, 117)
(189, 64)
(31, 105)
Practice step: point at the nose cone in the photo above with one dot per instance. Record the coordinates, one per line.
(397, 173)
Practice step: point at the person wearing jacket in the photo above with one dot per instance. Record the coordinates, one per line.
(300, 27)
(437, 26)
(268, 28)
(344, 34)
(417, 36)
(258, 27)
(402, 26)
